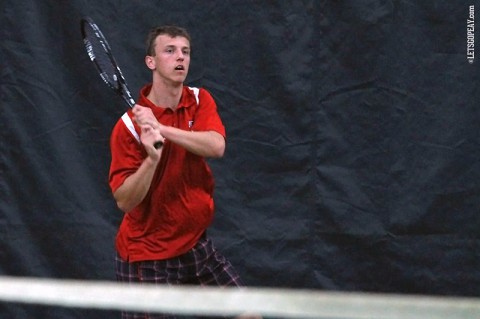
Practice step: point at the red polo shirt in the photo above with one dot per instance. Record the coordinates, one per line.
(179, 205)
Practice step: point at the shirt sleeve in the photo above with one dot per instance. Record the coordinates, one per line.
(127, 155)
(206, 116)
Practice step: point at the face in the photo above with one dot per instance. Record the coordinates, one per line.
(171, 60)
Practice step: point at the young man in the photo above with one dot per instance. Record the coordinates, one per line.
(166, 193)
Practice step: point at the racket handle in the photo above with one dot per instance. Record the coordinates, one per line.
(158, 144)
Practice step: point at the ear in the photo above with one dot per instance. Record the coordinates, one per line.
(150, 62)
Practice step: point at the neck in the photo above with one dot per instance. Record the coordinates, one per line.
(166, 96)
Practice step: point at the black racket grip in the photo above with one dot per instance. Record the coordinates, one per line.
(158, 144)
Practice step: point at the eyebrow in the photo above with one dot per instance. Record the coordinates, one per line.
(174, 46)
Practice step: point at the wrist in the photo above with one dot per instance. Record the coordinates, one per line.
(152, 159)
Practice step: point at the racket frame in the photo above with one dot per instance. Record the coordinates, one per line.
(122, 88)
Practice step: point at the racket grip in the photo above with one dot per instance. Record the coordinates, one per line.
(158, 144)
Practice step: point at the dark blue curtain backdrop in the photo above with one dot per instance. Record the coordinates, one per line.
(352, 159)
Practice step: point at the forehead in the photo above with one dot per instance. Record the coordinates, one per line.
(164, 40)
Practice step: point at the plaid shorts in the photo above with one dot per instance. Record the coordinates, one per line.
(202, 265)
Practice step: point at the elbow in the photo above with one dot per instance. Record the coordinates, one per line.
(123, 207)
(216, 146)
(219, 149)
(122, 203)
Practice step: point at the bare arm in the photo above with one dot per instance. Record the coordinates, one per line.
(136, 186)
(207, 144)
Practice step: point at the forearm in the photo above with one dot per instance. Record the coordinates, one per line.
(136, 186)
(206, 144)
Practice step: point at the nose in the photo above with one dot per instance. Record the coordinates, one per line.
(180, 56)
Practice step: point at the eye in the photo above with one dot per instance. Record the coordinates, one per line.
(186, 52)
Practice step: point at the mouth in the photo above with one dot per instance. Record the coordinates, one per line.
(179, 68)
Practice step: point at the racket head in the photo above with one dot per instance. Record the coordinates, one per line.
(100, 54)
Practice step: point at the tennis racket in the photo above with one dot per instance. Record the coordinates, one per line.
(100, 54)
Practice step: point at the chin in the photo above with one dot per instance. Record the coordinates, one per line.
(179, 80)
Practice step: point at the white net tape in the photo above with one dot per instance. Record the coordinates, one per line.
(267, 302)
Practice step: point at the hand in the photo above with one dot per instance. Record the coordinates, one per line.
(144, 116)
(149, 136)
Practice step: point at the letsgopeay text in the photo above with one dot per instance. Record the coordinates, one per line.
(471, 34)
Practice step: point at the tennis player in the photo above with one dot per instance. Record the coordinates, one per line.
(166, 194)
